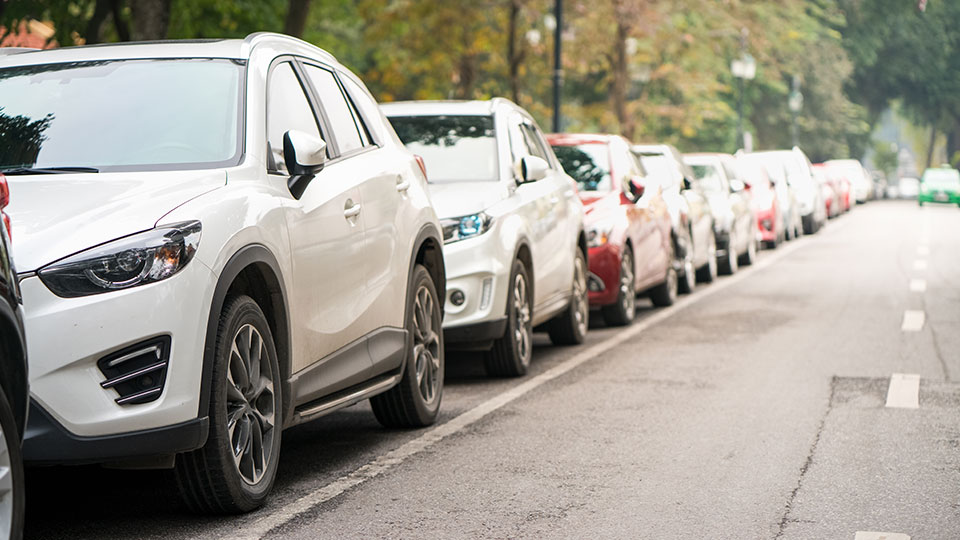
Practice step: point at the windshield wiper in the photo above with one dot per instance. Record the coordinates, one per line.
(48, 170)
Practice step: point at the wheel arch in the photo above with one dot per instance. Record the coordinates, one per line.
(524, 254)
(254, 271)
(13, 370)
(428, 251)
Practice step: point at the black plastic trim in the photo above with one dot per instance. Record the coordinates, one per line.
(485, 331)
(48, 442)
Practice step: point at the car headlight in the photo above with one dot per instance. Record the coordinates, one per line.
(461, 228)
(598, 234)
(138, 259)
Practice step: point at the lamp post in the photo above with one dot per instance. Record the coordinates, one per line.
(557, 63)
(743, 68)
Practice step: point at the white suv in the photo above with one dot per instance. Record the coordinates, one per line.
(515, 250)
(217, 240)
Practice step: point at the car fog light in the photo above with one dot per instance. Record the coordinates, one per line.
(768, 225)
(486, 294)
(457, 298)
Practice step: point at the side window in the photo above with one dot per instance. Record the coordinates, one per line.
(338, 111)
(369, 111)
(287, 108)
(534, 146)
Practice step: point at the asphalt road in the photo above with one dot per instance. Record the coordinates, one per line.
(755, 408)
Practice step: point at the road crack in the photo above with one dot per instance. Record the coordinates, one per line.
(788, 508)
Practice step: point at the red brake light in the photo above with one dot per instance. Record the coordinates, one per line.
(4, 192)
(423, 166)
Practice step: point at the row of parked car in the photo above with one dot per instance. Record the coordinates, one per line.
(218, 240)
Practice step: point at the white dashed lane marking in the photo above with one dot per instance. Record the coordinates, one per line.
(920, 264)
(918, 285)
(913, 320)
(923, 251)
(904, 391)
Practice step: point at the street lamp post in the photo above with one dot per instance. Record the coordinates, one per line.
(743, 68)
(557, 63)
(795, 103)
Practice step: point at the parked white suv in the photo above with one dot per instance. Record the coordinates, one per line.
(515, 250)
(217, 240)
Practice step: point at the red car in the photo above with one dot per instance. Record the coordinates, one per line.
(766, 204)
(841, 184)
(628, 226)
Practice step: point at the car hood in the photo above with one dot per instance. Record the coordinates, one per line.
(56, 215)
(599, 206)
(456, 199)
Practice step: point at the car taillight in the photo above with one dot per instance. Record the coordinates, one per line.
(4, 201)
(423, 166)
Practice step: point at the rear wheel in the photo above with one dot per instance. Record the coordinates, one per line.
(708, 272)
(665, 294)
(234, 471)
(12, 488)
(729, 264)
(415, 400)
(623, 311)
(510, 354)
(750, 256)
(570, 327)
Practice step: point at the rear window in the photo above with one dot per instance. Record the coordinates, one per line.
(948, 178)
(588, 164)
(454, 148)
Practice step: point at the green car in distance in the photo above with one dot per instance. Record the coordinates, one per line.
(941, 185)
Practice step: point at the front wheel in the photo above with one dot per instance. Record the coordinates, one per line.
(623, 311)
(729, 265)
(750, 256)
(415, 400)
(570, 327)
(12, 488)
(511, 353)
(708, 272)
(234, 471)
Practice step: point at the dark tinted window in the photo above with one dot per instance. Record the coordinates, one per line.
(588, 164)
(454, 148)
(336, 108)
(287, 108)
(121, 115)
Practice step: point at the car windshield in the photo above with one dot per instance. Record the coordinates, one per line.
(454, 148)
(942, 178)
(708, 176)
(588, 164)
(121, 115)
(658, 166)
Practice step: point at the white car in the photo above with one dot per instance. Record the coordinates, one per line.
(806, 190)
(217, 240)
(515, 249)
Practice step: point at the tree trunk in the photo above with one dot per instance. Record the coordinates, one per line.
(123, 31)
(618, 92)
(933, 142)
(94, 26)
(296, 21)
(515, 52)
(151, 19)
(953, 144)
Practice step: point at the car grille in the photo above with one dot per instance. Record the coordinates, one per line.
(137, 373)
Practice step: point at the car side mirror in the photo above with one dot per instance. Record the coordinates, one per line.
(737, 185)
(533, 168)
(637, 188)
(687, 184)
(304, 155)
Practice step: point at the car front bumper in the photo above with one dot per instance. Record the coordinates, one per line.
(479, 270)
(66, 337)
(941, 197)
(604, 263)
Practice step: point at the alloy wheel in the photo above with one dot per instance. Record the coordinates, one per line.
(7, 492)
(628, 293)
(426, 344)
(251, 417)
(581, 307)
(521, 308)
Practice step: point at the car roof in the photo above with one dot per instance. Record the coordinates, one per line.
(182, 48)
(571, 139)
(449, 107)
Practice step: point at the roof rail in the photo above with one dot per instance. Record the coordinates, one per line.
(6, 51)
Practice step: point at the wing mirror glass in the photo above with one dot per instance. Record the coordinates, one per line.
(533, 168)
(304, 155)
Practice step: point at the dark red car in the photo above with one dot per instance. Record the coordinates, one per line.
(628, 227)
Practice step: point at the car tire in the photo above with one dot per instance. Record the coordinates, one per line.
(570, 327)
(415, 400)
(511, 353)
(665, 294)
(750, 256)
(686, 274)
(624, 310)
(221, 477)
(12, 502)
(708, 272)
(729, 265)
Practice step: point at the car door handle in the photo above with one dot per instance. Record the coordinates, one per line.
(351, 209)
(402, 184)
(554, 200)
